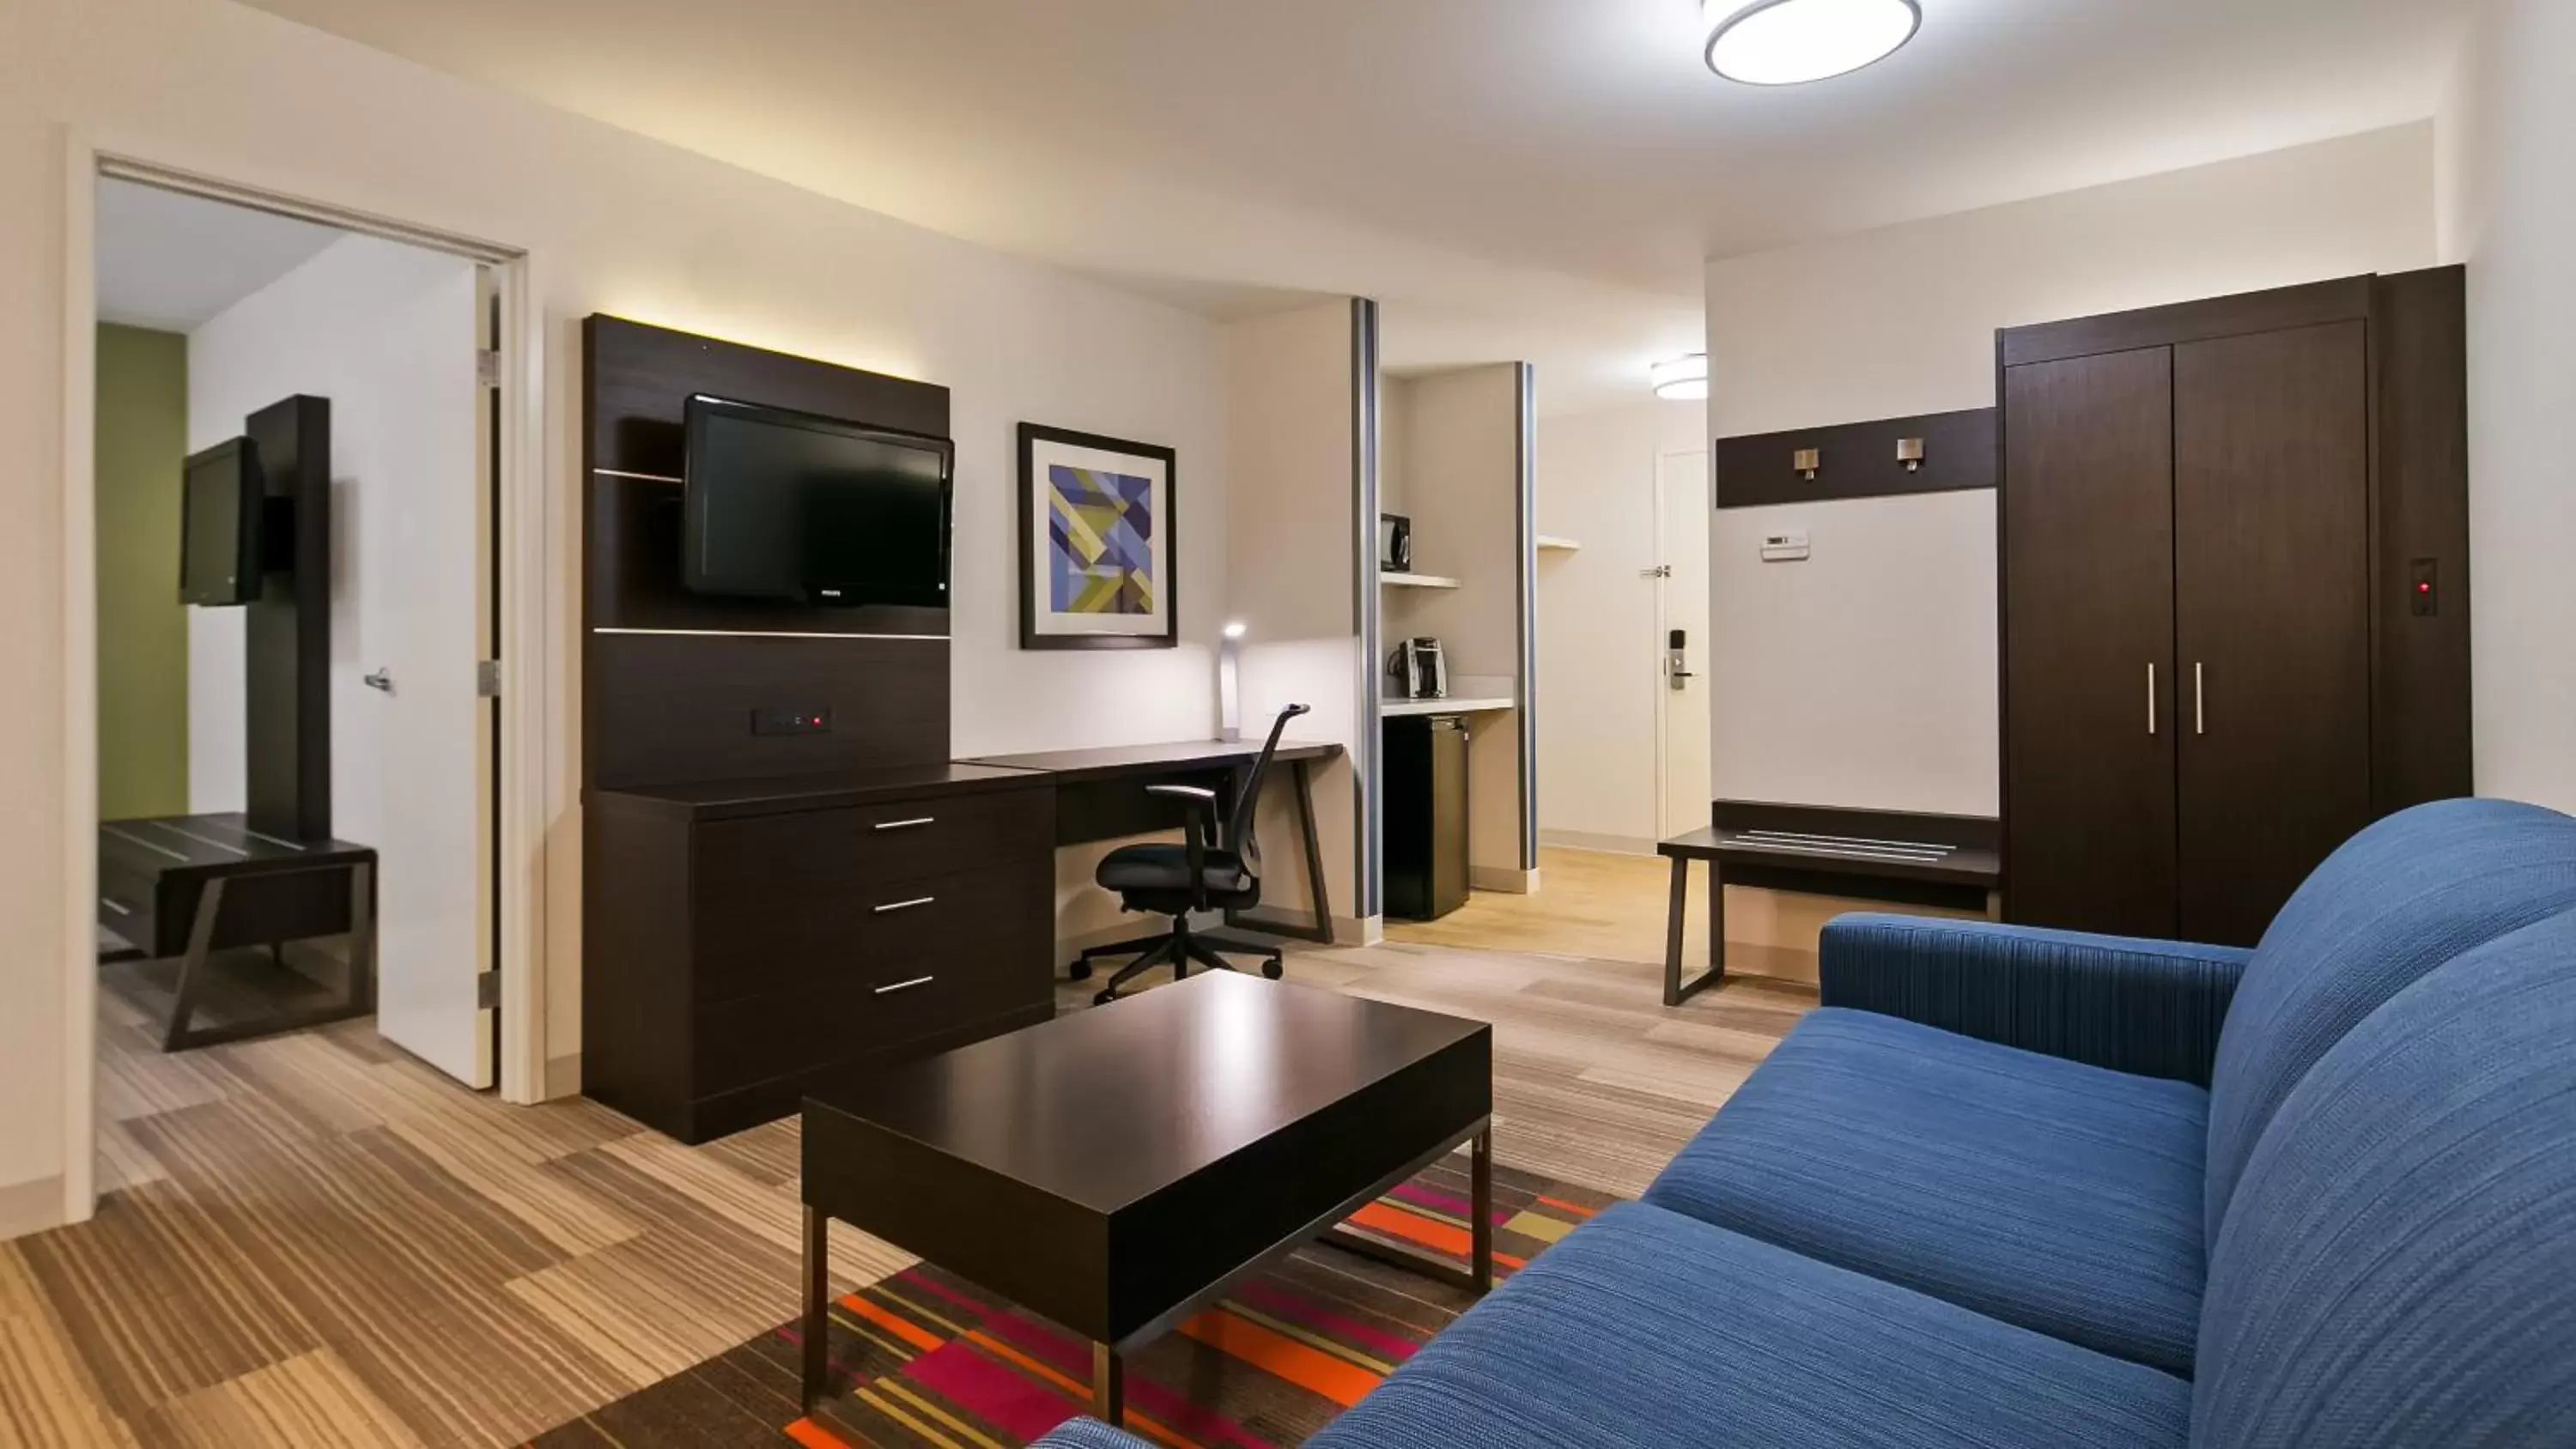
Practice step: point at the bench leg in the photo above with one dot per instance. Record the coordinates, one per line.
(1676, 990)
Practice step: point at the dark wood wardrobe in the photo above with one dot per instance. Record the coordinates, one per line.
(2234, 545)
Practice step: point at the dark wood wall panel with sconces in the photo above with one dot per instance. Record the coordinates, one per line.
(762, 910)
(2217, 662)
(1858, 460)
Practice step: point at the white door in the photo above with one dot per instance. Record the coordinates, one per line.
(424, 583)
(1682, 505)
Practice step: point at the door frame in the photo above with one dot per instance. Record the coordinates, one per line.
(524, 705)
(1665, 826)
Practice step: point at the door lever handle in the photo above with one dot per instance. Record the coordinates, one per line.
(382, 679)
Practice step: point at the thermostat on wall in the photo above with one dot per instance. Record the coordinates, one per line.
(1784, 547)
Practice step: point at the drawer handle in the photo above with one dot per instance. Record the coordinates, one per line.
(111, 903)
(905, 985)
(905, 905)
(911, 824)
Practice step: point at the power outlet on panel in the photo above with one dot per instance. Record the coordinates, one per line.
(791, 720)
(1784, 547)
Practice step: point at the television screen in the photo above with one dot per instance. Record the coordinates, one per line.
(785, 505)
(219, 526)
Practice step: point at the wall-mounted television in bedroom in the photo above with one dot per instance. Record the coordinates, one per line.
(220, 523)
(791, 506)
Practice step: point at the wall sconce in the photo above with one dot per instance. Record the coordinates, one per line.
(1229, 683)
(1682, 379)
(1909, 451)
(1808, 462)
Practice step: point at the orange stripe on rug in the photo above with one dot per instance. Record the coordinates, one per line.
(1577, 1209)
(815, 1436)
(1396, 1222)
(911, 1333)
(1308, 1368)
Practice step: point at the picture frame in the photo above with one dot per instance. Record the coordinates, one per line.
(1099, 548)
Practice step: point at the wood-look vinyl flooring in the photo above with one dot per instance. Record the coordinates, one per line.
(315, 1239)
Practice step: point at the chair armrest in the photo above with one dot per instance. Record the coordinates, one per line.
(1196, 828)
(1088, 1434)
(2149, 1007)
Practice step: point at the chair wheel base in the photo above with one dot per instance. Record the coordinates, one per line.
(1273, 969)
(1078, 971)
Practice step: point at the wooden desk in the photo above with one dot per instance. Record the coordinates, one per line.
(1100, 795)
(191, 885)
(1950, 861)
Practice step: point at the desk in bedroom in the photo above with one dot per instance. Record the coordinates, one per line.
(1100, 795)
(751, 937)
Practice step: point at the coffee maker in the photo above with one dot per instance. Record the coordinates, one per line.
(1419, 670)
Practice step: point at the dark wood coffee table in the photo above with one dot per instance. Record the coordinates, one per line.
(1117, 1169)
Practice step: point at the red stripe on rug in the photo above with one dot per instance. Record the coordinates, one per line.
(1438, 1201)
(1297, 1308)
(1014, 1403)
(1577, 1209)
(1395, 1222)
(1069, 1358)
(915, 1278)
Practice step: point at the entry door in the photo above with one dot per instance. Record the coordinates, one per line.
(1682, 614)
(2272, 519)
(425, 583)
(2089, 683)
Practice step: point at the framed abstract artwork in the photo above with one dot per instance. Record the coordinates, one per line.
(1096, 542)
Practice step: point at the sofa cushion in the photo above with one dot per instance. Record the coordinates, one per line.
(2399, 1266)
(2061, 1197)
(1645, 1328)
(2397, 900)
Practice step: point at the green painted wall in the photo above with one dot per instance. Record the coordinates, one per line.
(142, 626)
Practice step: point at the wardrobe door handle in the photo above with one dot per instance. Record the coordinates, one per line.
(905, 905)
(907, 824)
(905, 985)
(2199, 710)
(2151, 699)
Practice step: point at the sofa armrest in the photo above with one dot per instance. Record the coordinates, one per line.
(1088, 1434)
(2149, 1007)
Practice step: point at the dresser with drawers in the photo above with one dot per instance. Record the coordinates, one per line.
(749, 938)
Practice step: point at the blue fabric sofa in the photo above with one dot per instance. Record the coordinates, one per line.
(2015, 1187)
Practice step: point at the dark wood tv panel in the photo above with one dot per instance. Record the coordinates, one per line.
(766, 908)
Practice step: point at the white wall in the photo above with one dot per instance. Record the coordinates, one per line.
(615, 223)
(1866, 677)
(1289, 550)
(1460, 465)
(2508, 143)
(1600, 661)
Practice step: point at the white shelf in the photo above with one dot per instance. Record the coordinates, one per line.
(1561, 545)
(1398, 708)
(1416, 581)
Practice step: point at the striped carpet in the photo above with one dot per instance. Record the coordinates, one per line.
(924, 1359)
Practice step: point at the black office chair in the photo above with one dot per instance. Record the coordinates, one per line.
(1208, 871)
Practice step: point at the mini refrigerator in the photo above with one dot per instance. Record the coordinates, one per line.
(1426, 816)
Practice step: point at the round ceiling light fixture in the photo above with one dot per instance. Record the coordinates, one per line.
(1791, 42)
(1684, 379)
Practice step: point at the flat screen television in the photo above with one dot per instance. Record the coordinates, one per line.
(220, 524)
(788, 505)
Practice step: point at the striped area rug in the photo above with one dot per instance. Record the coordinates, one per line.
(925, 1359)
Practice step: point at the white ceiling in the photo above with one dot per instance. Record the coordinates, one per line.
(172, 262)
(1533, 178)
